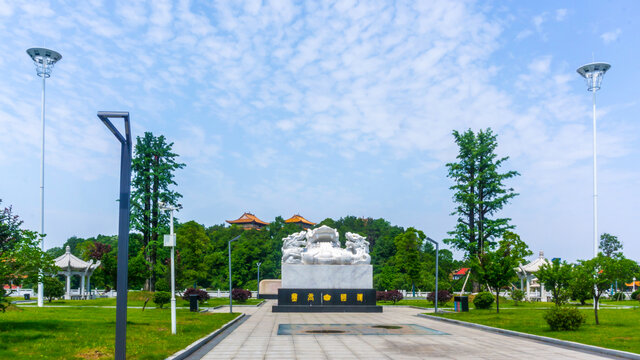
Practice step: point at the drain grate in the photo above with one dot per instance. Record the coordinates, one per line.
(356, 329)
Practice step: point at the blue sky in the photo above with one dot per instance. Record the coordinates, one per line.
(326, 109)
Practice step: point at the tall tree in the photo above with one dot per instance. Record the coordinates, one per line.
(480, 192)
(609, 244)
(153, 165)
(408, 254)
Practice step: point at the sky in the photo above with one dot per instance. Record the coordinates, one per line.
(327, 109)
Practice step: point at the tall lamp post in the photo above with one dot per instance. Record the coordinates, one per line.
(258, 286)
(44, 59)
(230, 300)
(170, 240)
(593, 74)
(123, 226)
(437, 256)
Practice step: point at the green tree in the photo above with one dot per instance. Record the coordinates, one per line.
(53, 288)
(609, 244)
(580, 285)
(480, 192)
(193, 246)
(408, 255)
(556, 277)
(497, 268)
(604, 271)
(20, 253)
(153, 166)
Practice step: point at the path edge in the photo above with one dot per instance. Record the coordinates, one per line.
(184, 353)
(564, 343)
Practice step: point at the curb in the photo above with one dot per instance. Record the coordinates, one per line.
(184, 353)
(563, 343)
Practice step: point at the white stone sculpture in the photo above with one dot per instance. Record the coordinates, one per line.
(292, 247)
(322, 247)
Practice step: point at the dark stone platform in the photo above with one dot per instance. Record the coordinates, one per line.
(326, 300)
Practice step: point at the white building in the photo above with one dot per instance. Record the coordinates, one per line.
(70, 265)
(534, 290)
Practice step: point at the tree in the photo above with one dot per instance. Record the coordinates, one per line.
(497, 268)
(604, 271)
(479, 192)
(556, 277)
(609, 244)
(20, 253)
(53, 288)
(408, 253)
(580, 285)
(194, 246)
(153, 165)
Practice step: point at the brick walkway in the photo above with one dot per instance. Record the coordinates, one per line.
(257, 338)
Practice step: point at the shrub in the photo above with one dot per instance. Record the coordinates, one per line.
(381, 295)
(483, 300)
(240, 295)
(394, 295)
(635, 294)
(517, 296)
(443, 296)
(619, 296)
(53, 288)
(564, 318)
(202, 295)
(161, 297)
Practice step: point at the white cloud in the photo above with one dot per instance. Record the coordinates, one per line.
(611, 36)
(561, 14)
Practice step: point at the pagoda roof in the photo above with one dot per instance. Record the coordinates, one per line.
(534, 265)
(462, 271)
(74, 263)
(247, 218)
(299, 219)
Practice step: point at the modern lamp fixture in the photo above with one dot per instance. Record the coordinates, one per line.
(44, 60)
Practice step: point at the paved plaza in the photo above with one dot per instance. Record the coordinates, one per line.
(257, 338)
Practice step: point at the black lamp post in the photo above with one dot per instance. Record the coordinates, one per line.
(230, 300)
(437, 253)
(258, 286)
(123, 226)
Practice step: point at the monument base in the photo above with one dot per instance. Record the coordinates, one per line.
(326, 300)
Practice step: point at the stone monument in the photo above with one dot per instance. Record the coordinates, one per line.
(318, 275)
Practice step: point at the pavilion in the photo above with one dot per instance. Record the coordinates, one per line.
(70, 265)
(248, 221)
(527, 273)
(297, 219)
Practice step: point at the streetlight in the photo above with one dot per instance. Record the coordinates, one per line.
(230, 300)
(123, 226)
(593, 74)
(437, 256)
(258, 287)
(170, 240)
(44, 59)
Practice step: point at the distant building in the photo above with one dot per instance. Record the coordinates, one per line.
(459, 273)
(297, 219)
(249, 221)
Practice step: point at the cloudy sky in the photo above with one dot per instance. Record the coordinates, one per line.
(326, 109)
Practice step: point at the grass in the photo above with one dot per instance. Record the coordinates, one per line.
(618, 328)
(89, 333)
(138, 298)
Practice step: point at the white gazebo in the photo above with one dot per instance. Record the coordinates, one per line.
(70, 265)
(527, 273)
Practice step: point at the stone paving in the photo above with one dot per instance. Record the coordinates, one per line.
(257, 338)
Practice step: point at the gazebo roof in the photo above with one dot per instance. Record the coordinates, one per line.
(535, 265)
(247, 218)
(68, 261)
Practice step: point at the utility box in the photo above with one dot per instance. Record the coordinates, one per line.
(461, 303)
(27, 296)
(170, 240)
(193, 302)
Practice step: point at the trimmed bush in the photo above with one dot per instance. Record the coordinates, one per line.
(619, 296)
(517, 296)
(202, 295)
(381, 295)
(394, 295)
(483, 300)
(635, 294)
(160, 298)
(443, 296)
(562, 318)
(240, 295)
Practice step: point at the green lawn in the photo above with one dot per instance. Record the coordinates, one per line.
(89, 333)
(137, 301)
(618, 329)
